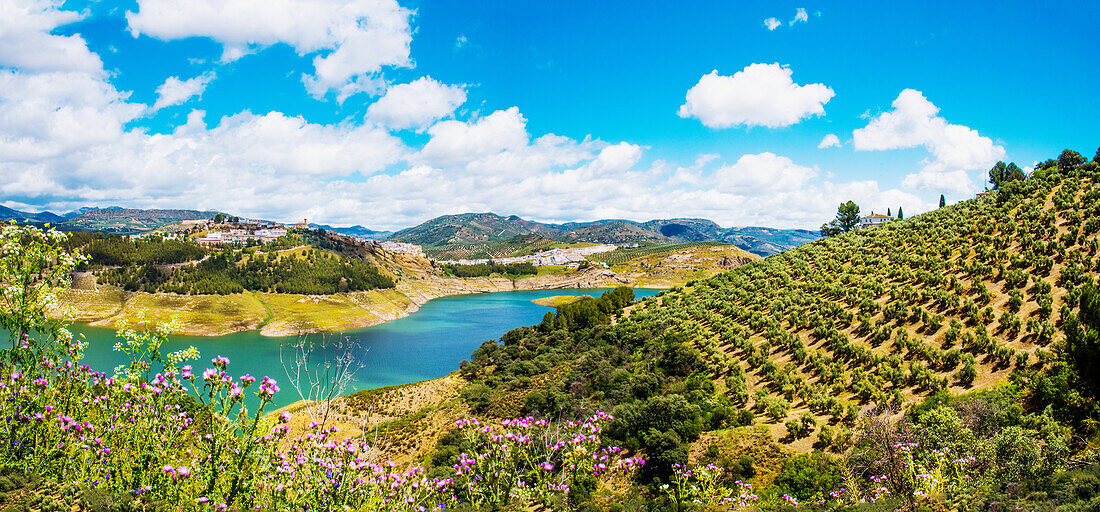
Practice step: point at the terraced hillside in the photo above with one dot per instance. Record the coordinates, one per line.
(128, 221)
(518, 245)
(952, 300)
(469, 228)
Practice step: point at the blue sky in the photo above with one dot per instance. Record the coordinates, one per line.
(386, 113)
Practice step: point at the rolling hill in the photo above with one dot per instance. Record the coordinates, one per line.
(471, 227)
(16, 215)
(356, 230)
(949, 329)
(127, 221)
(951, 300)
(480, 233)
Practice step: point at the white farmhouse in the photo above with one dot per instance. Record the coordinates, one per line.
(873, 219)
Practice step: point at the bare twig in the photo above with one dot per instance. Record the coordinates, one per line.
(319, 379)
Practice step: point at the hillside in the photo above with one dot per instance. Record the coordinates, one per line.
(321, 281)
(951, 299)
(518, 245)
(20, 216)
(768, 241)
(470, 227)
(481, 234)
(128, 221)
(813, 349)
(356, 230)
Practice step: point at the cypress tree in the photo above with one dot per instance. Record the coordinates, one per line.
(943, 201)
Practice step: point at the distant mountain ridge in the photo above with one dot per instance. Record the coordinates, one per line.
(471, 228)
(356, 230)
(460, 229)
(20, 216)
(127, 220)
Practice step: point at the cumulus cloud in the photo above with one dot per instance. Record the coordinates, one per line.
(454, 142)
(175, 91)
(67, 140)
(829, 141)
(954, 149)
(416, 104)
(761, 174)
(772, 23)
(759, 95)
(351, 41)
(26, 42)
(46, 115)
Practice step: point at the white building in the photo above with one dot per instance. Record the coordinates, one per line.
(873, 219)
(403, 248)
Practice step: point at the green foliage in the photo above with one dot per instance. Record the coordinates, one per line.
(34, 268)
(487, 269)
(116, 250)
(810, 476)
(847, 218)
(313, 273)
(1002, 174)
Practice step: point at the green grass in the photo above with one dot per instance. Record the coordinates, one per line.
(559, 300)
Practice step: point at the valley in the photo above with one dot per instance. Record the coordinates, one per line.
(417, 280)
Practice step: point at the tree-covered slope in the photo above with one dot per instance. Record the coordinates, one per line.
(475, 233)
(125, 220)
(952, 300)
(469, 227)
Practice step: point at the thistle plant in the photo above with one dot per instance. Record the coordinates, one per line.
(704, 485)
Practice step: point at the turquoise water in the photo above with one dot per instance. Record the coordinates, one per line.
(427, 344)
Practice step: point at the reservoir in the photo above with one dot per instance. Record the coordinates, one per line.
(427, 344)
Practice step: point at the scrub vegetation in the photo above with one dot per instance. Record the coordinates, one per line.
(941, 362)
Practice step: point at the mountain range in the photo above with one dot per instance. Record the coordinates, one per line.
(47, 216)
(462, 229)
(112, 219)
(472, 228)
(355, 230)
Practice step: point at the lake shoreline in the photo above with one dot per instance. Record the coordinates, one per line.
(421, 346)
(281, 315)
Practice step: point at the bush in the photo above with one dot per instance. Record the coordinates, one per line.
(810, 476)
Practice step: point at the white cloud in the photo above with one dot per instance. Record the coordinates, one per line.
(759, 95)
(46, 115)
(461, 41)
(66, 142)
(454, 142)
(175, 91)
(763, 173)
(800, 16)
(351, 40)
(416, 104)
(829, 141)
(26, 42)
(954, 149)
